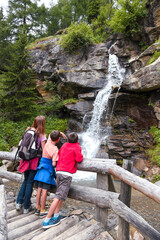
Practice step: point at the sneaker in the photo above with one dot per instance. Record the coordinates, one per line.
(37, 212)
(61, 218)
(43, 213)
(18, 206)
(25, 211)
(51, 223)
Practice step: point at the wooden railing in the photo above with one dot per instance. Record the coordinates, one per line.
(104, 196)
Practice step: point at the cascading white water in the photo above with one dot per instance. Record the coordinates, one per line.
(91, 139)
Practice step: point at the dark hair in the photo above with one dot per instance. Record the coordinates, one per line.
(55, 135)
(73, 137)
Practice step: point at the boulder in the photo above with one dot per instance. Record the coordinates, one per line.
(140, 81)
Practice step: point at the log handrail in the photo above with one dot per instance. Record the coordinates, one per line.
(108, 166)
(3, 214)
(104, 199)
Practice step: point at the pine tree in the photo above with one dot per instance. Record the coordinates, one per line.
(4, 40)
(26, 12)
(18, 85)
(93, 10)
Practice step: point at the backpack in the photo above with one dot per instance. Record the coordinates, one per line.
(27, 147)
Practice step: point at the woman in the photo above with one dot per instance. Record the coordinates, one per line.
(29, 167)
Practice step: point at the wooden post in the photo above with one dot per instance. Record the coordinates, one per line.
(3, 214)
(102, 213)
(125, 197)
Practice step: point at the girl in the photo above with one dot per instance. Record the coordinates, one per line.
(29, 167)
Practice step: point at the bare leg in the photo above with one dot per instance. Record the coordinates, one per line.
(43, 200)
(39, 196)
(58, 206)
(53, 207)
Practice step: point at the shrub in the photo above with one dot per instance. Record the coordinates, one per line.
(154, 152)
(11, 132)
(79, 35)
(155, 56)
(156, 178)
(127, 16)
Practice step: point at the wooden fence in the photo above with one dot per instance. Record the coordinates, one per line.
(104, 196)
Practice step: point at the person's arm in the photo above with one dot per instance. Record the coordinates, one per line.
(43, 141)
(55, 158)
(78, 155)
(43, 144)
(63, 135)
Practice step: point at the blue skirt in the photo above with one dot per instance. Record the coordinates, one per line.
(45, 172)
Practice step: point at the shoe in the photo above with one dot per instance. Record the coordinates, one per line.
(51, 223)
(37, 212)
(61, 218)
(43, 213)
(18, 206)
(25, 211)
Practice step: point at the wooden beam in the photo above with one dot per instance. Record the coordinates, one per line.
(11, 176)
(140, 184)
(3, 214)
(53, 232)
(102, 213)
(105, 199)
(88, 233)
(107, 167)
(125, 197)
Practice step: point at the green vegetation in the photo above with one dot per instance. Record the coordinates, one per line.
(154, 152)
(131, 120)
(156, 178)
(19, 88)
(11, 132)
(155, 56)
(127, 16)
(79, 35)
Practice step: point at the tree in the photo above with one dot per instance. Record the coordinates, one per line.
(4, 40)
(92, 10)
(18, 84)
(127, 16)
(25, 13)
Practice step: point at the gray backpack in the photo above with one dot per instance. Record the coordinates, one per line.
(27, 148)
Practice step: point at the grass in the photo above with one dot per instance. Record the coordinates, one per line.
(154, 151)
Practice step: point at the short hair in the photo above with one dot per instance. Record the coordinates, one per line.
(73, 137)
(55, 135)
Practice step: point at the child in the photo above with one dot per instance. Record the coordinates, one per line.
(45, 172)
(69, 155)
(29, 167)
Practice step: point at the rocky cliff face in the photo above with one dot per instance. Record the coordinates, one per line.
(83, 74)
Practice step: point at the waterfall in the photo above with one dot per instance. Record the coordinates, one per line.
(92, 138)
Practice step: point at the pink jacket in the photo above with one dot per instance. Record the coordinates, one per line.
(24, 165)
(69, 155)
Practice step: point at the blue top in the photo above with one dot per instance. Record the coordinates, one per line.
(45, 172)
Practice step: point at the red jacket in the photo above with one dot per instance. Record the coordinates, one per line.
(69, 155)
